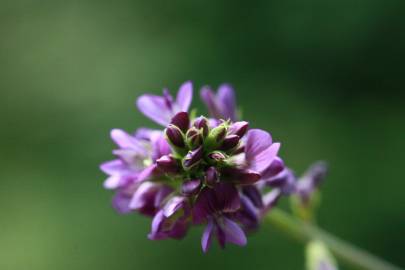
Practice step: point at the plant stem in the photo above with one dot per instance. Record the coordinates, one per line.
(344, 251)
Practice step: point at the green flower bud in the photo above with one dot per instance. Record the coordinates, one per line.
(194, 138)
(216, 136)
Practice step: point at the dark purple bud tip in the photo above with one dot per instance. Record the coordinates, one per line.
(239, 128)
(191, 187)
(181, 120)
(201, 123)
(194, 138)
(216, 157)
(211, 176)
(193, 158)
(167, 164)
(230, 142)
(174, 136)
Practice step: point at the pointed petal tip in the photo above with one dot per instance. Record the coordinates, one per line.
(185, 95)
(206, 238)
(112, 182)
(233, 233)
(155, 108)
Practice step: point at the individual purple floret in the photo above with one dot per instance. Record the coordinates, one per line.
(214, 172)
(311, 180)
(221, 105)
(161, 109)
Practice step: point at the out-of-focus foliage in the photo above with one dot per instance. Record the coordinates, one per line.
(325, 78)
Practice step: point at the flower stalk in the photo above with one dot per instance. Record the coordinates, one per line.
(345, 252)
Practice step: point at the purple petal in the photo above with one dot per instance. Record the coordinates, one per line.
(147, 173)
(261, 161)
(275, 168)
(208, 97)
(290, 185)
(211, 176)
(227, 197)
(191, 187)
(193, 157)
(125, 140)
(249, 209)
(220, 235)
(145, 133)
(148, 198)
(202, 123)
(233, 233)
(173, 205)
(207, 236)
(113, 182)
(160, 146)
(163, 192)
(167, 164)
(142, 194)
(121, 202)
(155, 108)
(131, 157)
(204, 205)
(230, 142)
(119, 174)
(163, 227)
(285, 180)
(256, 142)
(239, 128)
(113, 167)
(241, 176)
(270, 200)
(316, 173)
(226, 97)
(184, 96)
(254, 195)
(178, 230)
(157, 223)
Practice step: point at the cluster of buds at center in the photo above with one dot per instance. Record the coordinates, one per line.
(198, 147)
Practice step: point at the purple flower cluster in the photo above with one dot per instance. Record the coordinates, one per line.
(213, 171)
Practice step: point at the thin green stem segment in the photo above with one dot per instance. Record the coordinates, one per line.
(344, 251)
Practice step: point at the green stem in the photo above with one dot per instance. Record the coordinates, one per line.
(344, 251)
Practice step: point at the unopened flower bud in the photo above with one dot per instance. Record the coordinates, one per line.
(201, 123)
(239, 128)
(191, 187)
(193, 158)
(230, 142)
(211, 176)
(181, 120)
(167, 164)
(194, 138)
(216, 157)
(216, 136)
(174, 136)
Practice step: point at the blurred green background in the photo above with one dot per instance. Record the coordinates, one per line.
(324, 77)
